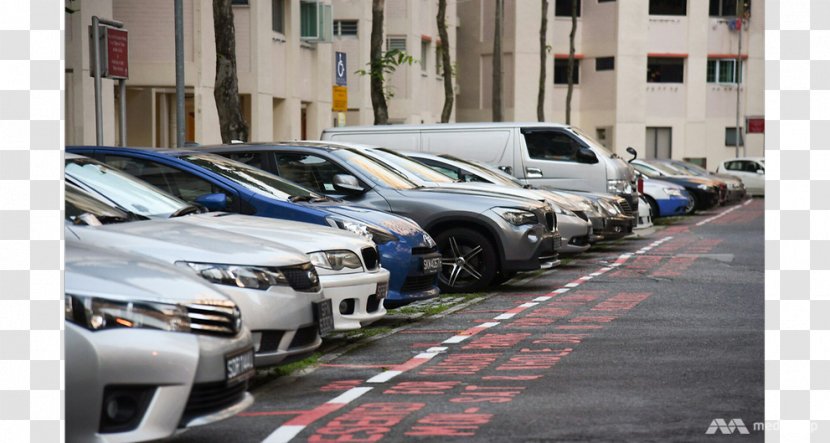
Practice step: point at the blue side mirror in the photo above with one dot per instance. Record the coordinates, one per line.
(214, 202)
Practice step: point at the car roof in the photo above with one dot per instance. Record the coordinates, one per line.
(479, 125)
(264, 146)
(174, 151)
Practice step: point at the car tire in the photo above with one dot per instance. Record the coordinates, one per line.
(479, 265)
(655, 210)
(503, 277)
(692, 203)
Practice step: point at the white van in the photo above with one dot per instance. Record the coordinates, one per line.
(544, 155)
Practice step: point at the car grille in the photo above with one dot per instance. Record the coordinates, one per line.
(550, 221)
(214, 319)
(626, 207)
(270, 341)
(370, 258)
(424, 250)
(417, 283)
(302, 278)
(206, 398)
(305, 336)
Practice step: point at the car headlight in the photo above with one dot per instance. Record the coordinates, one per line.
(707, 188)
(673, 192)
(352, 226)
(609, 207)
(619, 187)
(429, 240)
(517, 217)
(560, 210)
(379, 236)
(95, 314)
(250, 277)
(335, 260)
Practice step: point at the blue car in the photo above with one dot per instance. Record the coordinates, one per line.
(666, 199)
(407, 251)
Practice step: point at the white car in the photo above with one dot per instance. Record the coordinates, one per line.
(348, 265)
(749, 169)
(276, 288)
(150, 350)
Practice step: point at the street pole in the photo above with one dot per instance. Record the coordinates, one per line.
(740, 25)
(179, 73)
(96, 52)
(122, 93)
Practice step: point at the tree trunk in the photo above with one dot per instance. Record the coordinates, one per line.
(571, 54)
(232, 124)
(497, 105)
(543, 53)
(376, 65)
(449, 93)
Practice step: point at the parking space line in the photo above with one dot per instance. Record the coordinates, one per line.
(715, 217)
(296, 425)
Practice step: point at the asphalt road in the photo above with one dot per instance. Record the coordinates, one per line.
(648, 339)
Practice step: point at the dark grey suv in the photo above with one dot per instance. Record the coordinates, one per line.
(481, 237)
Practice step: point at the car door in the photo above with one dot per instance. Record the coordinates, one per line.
(183, 184)
(549, 159)
(753, 180)
(317, 173)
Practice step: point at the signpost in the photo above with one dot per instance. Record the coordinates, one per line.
(340, 90)
(111, 61)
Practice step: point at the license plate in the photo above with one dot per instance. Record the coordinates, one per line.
(432, 265)
(381, 290)
(239, 366)
(324, 315)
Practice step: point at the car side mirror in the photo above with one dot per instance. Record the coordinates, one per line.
(347, 184)
(760, 172)
(585, 155)
(506, 169)
(214, 202)
(633, 152)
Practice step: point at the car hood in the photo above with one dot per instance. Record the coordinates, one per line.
(105, 272)
(493, 189)
(171, 241)
(688, 180)
(655, 184)
(485, 199)
(305, 237)
(403, 228)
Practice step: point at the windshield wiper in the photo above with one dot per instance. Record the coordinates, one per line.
(185, 210)
(301, 198)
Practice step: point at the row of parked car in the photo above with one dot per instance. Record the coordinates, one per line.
(187, 269)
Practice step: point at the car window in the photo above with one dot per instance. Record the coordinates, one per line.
(453, 173)
(758, 166)
(255, 159)
(750, 166)
(395, 160)
(182, 184)
(551, 145)
(731, 166)
(310, 171)
(79, 205)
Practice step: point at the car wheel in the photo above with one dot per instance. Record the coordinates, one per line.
(692, 206)
(655, 210)
(468, 262)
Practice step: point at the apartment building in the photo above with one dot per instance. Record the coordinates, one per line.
(417, 90)
(658, 75)
(284, 61)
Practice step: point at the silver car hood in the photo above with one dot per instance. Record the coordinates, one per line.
(171, 241)
(305, 237)
(105, 272)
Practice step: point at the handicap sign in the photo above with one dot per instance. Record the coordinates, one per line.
(340, 69)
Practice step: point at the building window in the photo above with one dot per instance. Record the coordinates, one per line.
(667, 7)
(730, 137)
(605, 63)
(563, 8)
(424, 55)
(560, 71)
(277, 16)
(665, 70)
(398, 43)
(722, 71)
(658, 142)
(345, 27)
(726, 8)
(308, 20)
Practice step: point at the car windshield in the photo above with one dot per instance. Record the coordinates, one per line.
(375, 171)
(123, 189)
(647, 170)
(84, 209)
(398, 161)
(490, 173)
(691, 167)
(662, 168)
(591, 142)
(256, 180)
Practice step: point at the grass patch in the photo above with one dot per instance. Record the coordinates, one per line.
(437, 305)
(368, 331)
(292, 367)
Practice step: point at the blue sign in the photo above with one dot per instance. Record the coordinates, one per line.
(340, 68)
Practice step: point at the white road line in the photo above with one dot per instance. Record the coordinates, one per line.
(528, 305)
(488, 324)
(505, 316)
(384, 376)
(561, 291)
(455, 339)
(572, 285)
(283, 434)
(542, 298)
(437, 349)
(350, 395)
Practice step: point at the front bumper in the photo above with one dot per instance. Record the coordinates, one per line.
(358, 292)
(281, 322)
(528, 247)
(575, 233)
(617, 227)
(672, 206)
(167, 366)
(407, 280)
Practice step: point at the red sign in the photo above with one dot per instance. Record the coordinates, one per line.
(755, 125)
(117, 53)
